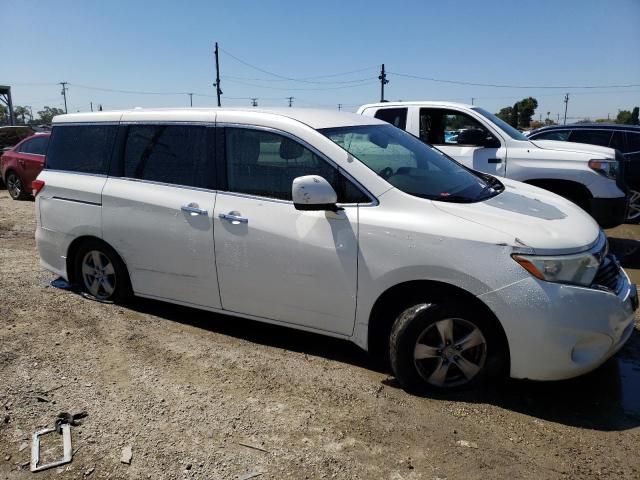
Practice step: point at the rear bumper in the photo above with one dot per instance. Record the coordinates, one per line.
(609, 212)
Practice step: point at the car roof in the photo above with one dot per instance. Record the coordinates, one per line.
(314, 118)
(419, 103)
(588, 126)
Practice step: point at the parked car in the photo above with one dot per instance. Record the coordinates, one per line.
(585, 174)
(334, 223)
(625, 138)
(20, 165)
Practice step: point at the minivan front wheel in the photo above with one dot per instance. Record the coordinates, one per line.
(439, 348)
(101, 273)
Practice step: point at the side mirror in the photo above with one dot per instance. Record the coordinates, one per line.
(312, 192)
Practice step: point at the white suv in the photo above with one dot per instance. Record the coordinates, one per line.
(588, 175)
(335, 223)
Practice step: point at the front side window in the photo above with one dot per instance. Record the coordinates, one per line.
(265, 164)
(501, 124)
(450, 127)
(412, 166)
(633, 141)
(561, 135)
(395, 116)
(175, 154)
(81, 148)
(592, 137)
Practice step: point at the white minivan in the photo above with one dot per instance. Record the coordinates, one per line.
(588, 175)
(335, 223)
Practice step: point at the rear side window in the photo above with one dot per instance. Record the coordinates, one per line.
(395, 116)
(35, 146)
(175, 154)
(617, 141)
(81, 148)
(593, 137)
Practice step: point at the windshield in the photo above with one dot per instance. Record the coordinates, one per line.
(411, 165)
(501, 124)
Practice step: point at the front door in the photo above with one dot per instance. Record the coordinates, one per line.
(157, 212)
(276, 262)
(464, 139)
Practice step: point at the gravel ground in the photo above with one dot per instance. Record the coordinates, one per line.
(197, 395)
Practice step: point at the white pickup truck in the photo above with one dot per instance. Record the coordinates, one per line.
(588, 175)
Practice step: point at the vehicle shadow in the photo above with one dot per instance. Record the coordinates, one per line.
(607, 399)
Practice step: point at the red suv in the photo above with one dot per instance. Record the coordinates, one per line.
(20, 165)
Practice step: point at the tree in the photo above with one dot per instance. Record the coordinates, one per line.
(634, 116)
(624, 117)
(505, 114)
(47, 114)
(4, 115)
(527, 107)
(21, 113)
(515, 114)
(520, 114)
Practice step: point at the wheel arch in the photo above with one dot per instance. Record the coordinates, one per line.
(396, 298)
(557, 185)
(72, 251)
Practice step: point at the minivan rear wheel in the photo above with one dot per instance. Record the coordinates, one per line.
(441, 348)
(101, 273)
(15, 186)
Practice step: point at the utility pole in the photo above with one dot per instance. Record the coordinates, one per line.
(254, 102)
(91, 104)
(64, 94)
(339, 106)
(558, 119)
(383, 82)
(566, 104)
(217, 84)
(190, 99)
(472, 100)
(100, 107)
(30, 113)
(290, 101)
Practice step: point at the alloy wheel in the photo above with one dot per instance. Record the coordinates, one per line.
(634, 206)
(98, 275)
(14, 185)
(450, 352)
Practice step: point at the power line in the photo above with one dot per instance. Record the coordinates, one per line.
(494, 85)
(368, 82)
(292, 79)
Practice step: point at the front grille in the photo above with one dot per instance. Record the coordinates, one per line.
(608, 274)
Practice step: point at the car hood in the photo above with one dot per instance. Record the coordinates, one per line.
(531, 217)
(601, 152)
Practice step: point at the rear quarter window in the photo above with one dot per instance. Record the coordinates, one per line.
(81, 148)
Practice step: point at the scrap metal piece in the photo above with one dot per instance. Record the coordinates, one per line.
(35, 448)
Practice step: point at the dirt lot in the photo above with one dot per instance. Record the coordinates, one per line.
(198, 395)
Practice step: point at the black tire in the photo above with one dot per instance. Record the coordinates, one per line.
(15, 186)
(463, 367)
(104, 284)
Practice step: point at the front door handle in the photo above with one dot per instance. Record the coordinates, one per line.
(193, 209)
(233, 217)
(495, 160)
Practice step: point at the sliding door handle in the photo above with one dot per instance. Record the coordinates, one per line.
(233, 217)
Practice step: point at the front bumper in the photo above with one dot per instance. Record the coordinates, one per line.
(609, 212)
(559, 331)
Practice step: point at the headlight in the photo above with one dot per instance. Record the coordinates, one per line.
(606, 167)
(578, 269)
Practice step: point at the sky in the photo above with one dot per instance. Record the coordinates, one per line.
(328, 52)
